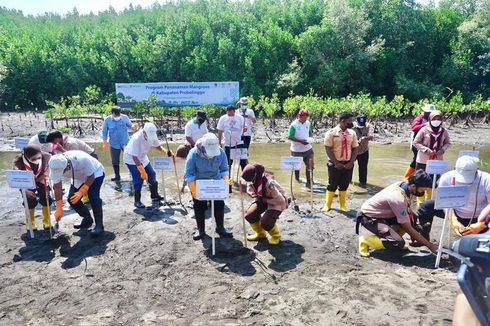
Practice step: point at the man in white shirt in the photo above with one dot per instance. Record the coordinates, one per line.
(136, 159)
(300, 132)
(87, 175)
(194, 130)
(232, 127)
(470, 219)
(249, 116)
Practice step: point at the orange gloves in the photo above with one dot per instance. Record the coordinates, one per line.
(227, 178)
(474, 228)
(193, 188)
(458, 228)
(143, 173)
(82, 191)
(59, 210)
(105, 145)
(165, 152)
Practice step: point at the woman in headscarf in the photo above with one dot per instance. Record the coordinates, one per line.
(270, 202)
(207, 161)
(32, 159)
(431, 141)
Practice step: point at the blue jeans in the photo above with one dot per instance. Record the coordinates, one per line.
(135, 174)
(93, 196)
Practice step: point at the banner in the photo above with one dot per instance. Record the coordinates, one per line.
(178, 94)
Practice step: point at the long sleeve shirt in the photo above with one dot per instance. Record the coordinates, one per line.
(199, 168)
(116, 131)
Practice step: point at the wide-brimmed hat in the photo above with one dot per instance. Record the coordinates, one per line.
(466, 167)
(429, 108)
(244, 100)
(151, 131)
(57, 166)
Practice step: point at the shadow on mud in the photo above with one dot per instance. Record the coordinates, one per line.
(42, 248)
(422, 259)
(287, 255)
(232, 254)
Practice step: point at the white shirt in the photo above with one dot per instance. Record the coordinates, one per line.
(248, 120)
(35, 141)
(194, 130)
(483, 192)
(301, 132)
(139, 146)
(235, 124)
(83, 166)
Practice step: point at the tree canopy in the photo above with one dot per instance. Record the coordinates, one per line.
(290, 47)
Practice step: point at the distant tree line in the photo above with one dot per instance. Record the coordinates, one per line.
(290, 47)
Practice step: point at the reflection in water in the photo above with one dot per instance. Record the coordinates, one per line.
(387, 163)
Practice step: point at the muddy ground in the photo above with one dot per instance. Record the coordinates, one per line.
(146, 269)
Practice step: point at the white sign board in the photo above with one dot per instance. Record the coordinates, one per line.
(238, 153)
(212, 189)
(21, 142)
(437, 167)
(178, 94)
(469, 153)
(451, 197)
(163, 163)
(21, 179)
(291, 163)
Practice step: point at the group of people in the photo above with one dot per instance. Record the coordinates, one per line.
(388, 214)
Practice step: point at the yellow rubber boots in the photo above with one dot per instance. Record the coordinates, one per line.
(46, 217)
(328, 200)
(259, 232)
(275, 236)
(367, 242)
(33, 220)
(343, 201)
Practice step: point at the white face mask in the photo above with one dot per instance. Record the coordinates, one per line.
(116, 118)
(436, 123)
(37, 162)
(244, 107)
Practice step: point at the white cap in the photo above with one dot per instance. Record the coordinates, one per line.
(151, 131)
(211, 144)
(429, 108)
(57, 165)
(466, 167)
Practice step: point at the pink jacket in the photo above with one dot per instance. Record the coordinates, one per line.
(422, 143)
(274, 195)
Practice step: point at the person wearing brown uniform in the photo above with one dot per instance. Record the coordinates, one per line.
(270, 202)
(32, 159)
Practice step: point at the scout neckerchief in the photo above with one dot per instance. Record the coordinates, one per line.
(403, 189)
(345, 151)
(28, 167)
(435, 138)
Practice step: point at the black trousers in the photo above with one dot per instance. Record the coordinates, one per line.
(414, 158)
(40, 192)
(338, 178)
(362, 161)
(246, 141)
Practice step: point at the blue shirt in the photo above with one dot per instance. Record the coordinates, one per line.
(198, 168)
(117, 131)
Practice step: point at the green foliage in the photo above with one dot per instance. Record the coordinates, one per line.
(290, 48)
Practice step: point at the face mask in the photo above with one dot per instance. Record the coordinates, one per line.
(418, 194)
(116, 118)
(244, 107)
(36, 162)
(350, 125)
(435, 123)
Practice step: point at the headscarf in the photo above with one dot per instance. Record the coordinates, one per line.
(28, 152)
(201, 150)
(435, 132)
(255, 173)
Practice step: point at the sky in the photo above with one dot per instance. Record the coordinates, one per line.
(39, 7)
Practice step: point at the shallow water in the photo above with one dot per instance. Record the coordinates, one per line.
(387, 164)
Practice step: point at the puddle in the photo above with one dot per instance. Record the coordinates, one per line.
(387, 163)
